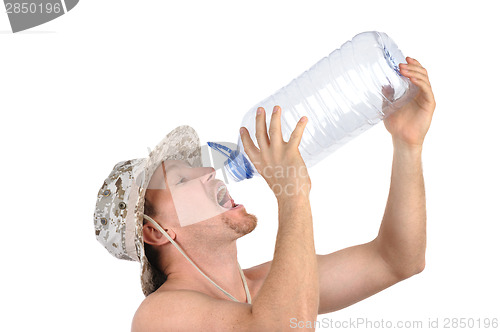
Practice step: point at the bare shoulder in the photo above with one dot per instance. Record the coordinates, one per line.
(166, 308)
(187, 310)
(190, 310)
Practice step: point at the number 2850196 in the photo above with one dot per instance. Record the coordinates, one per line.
(32, 8)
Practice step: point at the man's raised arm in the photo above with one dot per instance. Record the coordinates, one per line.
(398, 252)
(290, 290)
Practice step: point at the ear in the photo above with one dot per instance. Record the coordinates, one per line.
(154, 237)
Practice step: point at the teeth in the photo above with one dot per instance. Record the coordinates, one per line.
(221, 192)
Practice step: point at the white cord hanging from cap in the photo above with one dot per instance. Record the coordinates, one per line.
(249, 299)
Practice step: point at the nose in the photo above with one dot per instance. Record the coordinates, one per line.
(207, 173)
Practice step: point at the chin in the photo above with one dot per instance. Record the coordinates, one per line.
(242, 225)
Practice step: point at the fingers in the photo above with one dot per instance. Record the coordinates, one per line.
(275, 135)
(261, 129)
(414, 61)
(388, 92)
(414, 69)
(296, 135)
(251, 150)
(416, 73)
(275, 138)
(418, 76)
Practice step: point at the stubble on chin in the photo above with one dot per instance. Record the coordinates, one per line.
(241, 227)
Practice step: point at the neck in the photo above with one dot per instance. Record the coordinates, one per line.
(217, 260)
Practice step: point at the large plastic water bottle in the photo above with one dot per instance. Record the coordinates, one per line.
(342, 95)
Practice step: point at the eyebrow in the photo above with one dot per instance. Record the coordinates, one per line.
(177, 165)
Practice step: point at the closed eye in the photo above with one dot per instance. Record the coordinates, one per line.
(182, 180)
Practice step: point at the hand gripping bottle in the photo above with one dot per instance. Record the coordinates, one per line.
(342, 95)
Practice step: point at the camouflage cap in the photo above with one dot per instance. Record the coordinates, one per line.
(118, 215)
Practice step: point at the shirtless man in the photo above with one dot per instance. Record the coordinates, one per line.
(186, 214)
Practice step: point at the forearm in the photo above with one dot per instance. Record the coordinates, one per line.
(402, 235)
(291, 287)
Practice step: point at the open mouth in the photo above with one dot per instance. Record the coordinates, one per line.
(223, 198)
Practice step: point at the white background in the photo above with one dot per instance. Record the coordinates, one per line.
(109, 79)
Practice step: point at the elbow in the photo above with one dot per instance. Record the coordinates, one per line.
(418, 263)
(420, 266)
(404, 263)
(412, 269)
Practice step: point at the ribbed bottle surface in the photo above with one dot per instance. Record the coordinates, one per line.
(342, 95)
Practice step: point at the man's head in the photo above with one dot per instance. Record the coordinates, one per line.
(194, 207)
(190, 212)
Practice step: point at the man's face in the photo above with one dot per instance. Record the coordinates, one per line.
(183, 195)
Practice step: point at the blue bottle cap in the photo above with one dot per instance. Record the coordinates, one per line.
(237, 165)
